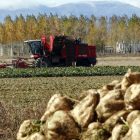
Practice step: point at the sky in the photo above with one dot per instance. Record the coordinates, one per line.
(17, 4)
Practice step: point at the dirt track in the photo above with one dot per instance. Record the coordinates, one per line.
(118, 61)
(102, 61)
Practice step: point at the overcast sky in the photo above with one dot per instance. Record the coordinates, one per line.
(16, 4)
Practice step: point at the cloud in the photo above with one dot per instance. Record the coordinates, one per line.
(135, 3)
(54, 3)
(17, 4)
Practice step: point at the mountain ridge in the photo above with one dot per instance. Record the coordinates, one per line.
(101, 8)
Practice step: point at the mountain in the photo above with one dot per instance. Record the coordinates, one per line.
(102, 8)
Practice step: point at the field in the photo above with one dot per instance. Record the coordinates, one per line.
(118, 61)
(26, 98)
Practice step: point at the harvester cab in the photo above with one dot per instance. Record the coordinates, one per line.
(34, 47)
(41, 47)
(41, 50)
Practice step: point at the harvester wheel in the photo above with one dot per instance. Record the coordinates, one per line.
(85, 63)
(43, 62)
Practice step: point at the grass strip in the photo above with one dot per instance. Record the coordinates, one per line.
(66, 71)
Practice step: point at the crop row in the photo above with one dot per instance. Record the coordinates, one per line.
(66, 71)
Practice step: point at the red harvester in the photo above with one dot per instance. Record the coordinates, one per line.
(57, 51)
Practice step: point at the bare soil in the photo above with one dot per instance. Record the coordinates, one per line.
(118, 61)
(102, 60)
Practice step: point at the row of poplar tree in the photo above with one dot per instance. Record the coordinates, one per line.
(100, 31)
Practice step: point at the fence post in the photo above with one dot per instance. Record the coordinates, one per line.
(18, 51)
(137, 47)
(134, 48)
(11, 50)
(125, 47)
(8, 50)
(1, 50)
(23, 49)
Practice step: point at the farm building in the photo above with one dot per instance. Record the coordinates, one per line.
(127, 47)
(109, 49)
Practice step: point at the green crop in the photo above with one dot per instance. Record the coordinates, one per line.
(66, 71)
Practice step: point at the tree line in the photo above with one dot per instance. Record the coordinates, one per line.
(101, 31)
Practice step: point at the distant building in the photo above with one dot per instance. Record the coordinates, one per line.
(109, 49)
(127, 47)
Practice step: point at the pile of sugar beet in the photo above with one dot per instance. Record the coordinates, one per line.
(110, 113)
